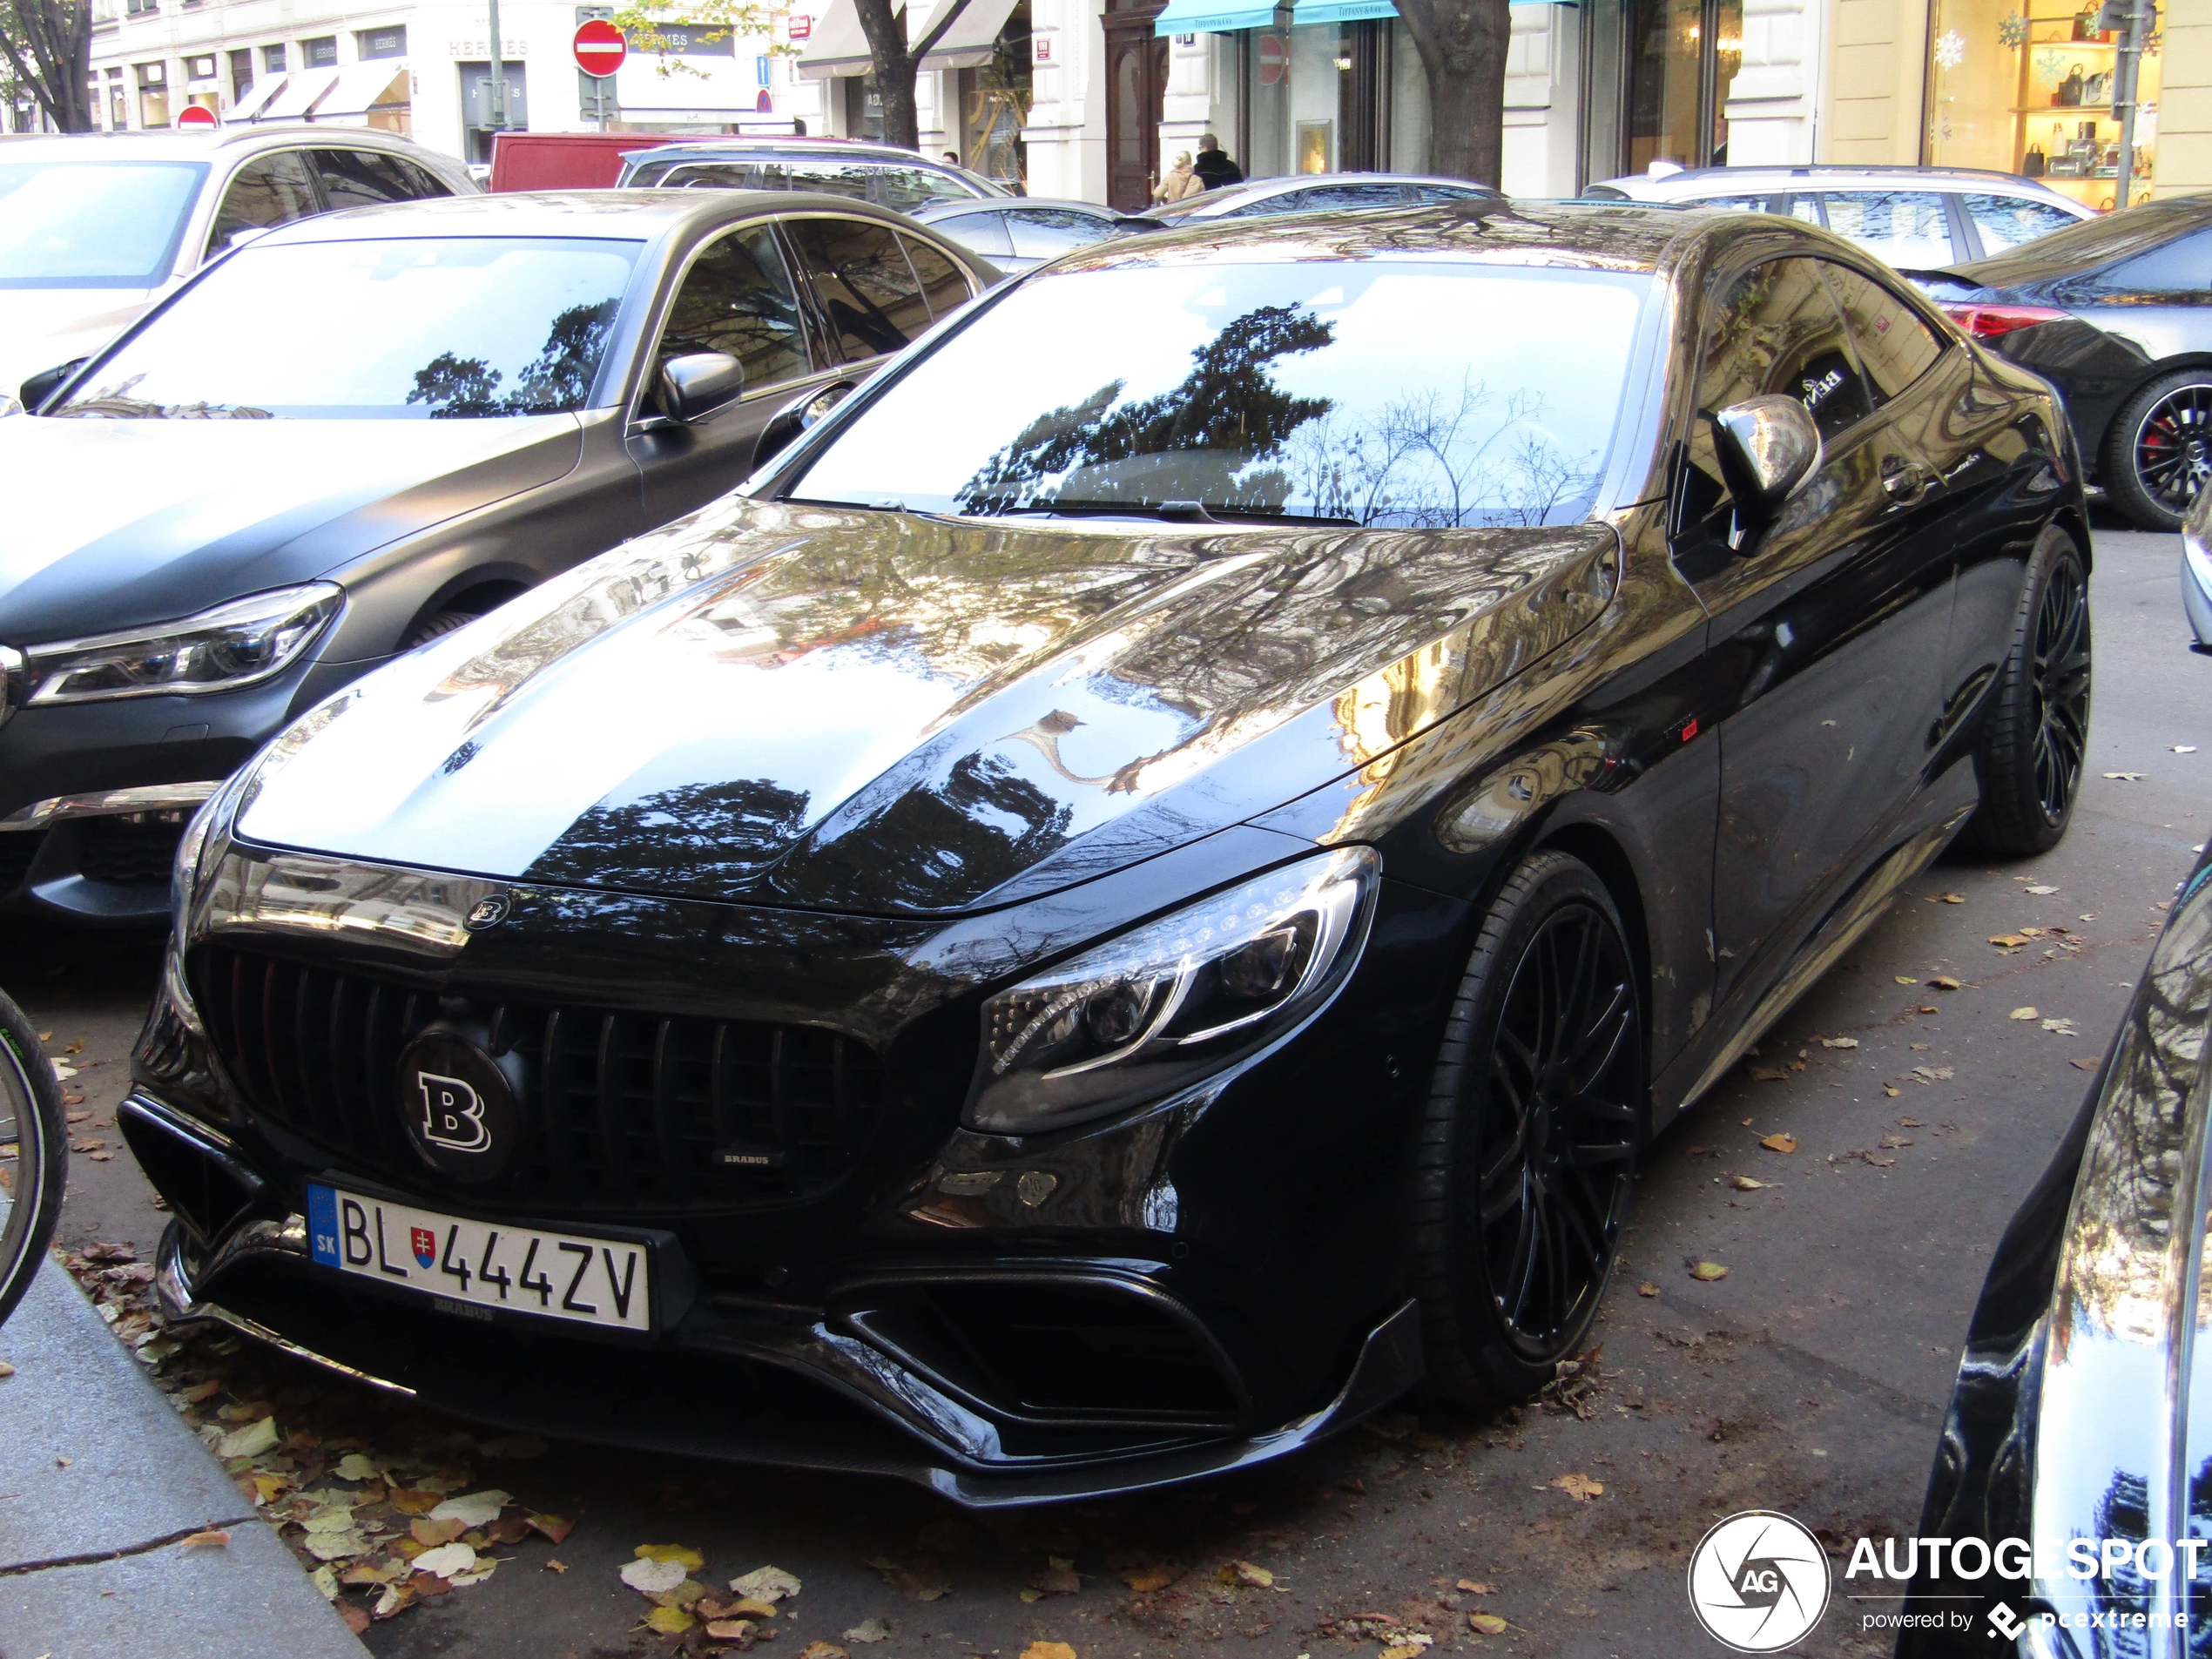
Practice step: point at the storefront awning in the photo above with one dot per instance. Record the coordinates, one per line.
(1215, 16)
(972, 39)
(1313, 11)
(362, 87)
(299, 95)
(258, 97)
(838, 45)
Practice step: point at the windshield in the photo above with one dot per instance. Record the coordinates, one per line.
(92, 223)
(1420, 395)
(418, 329)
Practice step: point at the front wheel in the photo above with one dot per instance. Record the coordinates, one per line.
(2036, 743)
(1528, 1145)
(31, 1152)
(2160, 451)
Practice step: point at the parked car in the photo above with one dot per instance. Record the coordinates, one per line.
(1313, 193)
(1092, 924)
(1911, 217)
(2077, 1414)
(2117, 314)
(208, 534)
(1022, 234)
(564, 160)
(96, 229)
(881, 173)
(2196, 569)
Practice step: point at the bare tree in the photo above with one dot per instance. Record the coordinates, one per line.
(48, 48)
(1462, 44)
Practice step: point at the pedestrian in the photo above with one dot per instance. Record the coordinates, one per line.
(952, 157)
(1213, 167)
(1180, 182)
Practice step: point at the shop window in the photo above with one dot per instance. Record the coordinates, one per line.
(241, 74)
(1895, 348)
(381, 43)
(201, 68)
(153, 96)
(2007, 221)
(1660, 73)
(321, 53)
(273, 59)
(1907, 228)
(2029, 92)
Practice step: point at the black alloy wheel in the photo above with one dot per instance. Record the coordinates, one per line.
(2035, 750)
(1528, 1147)
(2159, 453)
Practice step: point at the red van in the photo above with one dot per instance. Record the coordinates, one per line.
(565, 160)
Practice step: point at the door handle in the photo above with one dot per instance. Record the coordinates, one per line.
(1907, 481)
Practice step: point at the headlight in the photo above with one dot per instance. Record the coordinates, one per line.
(1133, 1019)
(232, 645)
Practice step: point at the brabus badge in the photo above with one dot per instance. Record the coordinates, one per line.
(489, 913)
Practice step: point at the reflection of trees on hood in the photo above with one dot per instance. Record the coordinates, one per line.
(1227, 412)
(467, 388)
(693, 834)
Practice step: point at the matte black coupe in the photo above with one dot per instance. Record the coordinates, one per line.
(1102, 939)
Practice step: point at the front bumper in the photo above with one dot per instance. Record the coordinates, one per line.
(738, 1378)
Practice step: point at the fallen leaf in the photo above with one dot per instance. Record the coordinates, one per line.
(2182, 748)
(683, 1554)
(395, 1598)
(647, 1576)
(750, 1606)
(1769, 1074)
(214, 1538)
(729, 1629)
(448, 1560)
(1906, 979)
(2009, 942)
(1580, 1487)
(1048, 1651)
(2089, 1064)
(868, 1631)
(2026, 1013)
(2042, 892)
(1745, 1184)
(823, 1650)
(1405, 1651)
(669, 1620)
(1944, 982)
(1057, 1581)
(250, 1441)
(1245, 1573)
(552, 1565)
(356, 1618)
(1910, 1123)
(415, 1501)
(1489, 1623)
(1709, 1271)
(1474, 1587)
(430, 1534)
(2125, 776)
(1143, 1579)
(366, 1572)
(553, 1528)
(1892, 1091)
(476, 1509)
(1839, 1043)
(1897, 1140)
(1647, 1289)
(766, 1584)
(508, 1529)
(1780, 1141)
(354, 1467)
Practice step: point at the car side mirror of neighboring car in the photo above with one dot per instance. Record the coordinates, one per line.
(46, 382)
(796, 416)
(1767, 447)
(698, 384)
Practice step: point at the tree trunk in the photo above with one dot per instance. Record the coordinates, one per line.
(896, 61)
(1462, 44)
(48, 45)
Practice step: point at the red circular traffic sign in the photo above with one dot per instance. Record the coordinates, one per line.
(1274, 59)
(599, 48)
(196, 115)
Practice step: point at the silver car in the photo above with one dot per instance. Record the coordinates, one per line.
(1916, 218)
(1313, 193)
(96, 229)
(2196, 569)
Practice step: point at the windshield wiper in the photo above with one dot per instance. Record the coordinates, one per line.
(1173, 512)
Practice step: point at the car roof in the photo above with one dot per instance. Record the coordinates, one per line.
(630, 215)
(934, 211)
(1754, 177)
(203, 145)
(1628, 237)
(858, 149)
(1260, 189)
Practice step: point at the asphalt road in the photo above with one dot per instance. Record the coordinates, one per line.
(1810, 1379)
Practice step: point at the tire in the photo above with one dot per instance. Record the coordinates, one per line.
(1538, 1102)
(2158, 452)
(2034, 748)
(30, 1183)
(442, 624)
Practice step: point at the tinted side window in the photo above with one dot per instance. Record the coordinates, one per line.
(1907, 227)
(359, 179)
(942, 281)
(1777, 331)
(985, 233)
(835, 179)
(1047, 233)
(907, 188)
(2182, 266)
(863, 284)
(422, 183)
(719, 175)
(1347, 196)
(1895, 348)
(737, 298)
(272, 191)
(2007, 221)
(1447, 193)
(1730, 204)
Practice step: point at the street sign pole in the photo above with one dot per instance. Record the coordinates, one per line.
(2134, 19)
(498, 113)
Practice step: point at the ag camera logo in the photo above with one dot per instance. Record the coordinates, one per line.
(1758, 1582)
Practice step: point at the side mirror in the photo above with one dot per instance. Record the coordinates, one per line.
(796, 416)
(1767, 447)
(695, 385)
(46, 382)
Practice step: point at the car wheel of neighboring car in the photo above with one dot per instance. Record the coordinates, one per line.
(2036, 743)
(2159, 454)
(433, 627)
(1528, 1147)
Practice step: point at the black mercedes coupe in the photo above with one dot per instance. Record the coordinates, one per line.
(1143, 886)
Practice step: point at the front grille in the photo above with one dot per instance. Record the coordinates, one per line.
(18, 849)
(131, 849)
(620, 1110)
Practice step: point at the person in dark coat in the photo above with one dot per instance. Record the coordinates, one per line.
(1213, 167)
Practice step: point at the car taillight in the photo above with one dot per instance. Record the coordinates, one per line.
(1988, 322)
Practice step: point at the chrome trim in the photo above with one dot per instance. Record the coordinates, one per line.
(146, 798)
(251, 892)
(11, 685)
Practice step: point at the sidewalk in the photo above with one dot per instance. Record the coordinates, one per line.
(99, 1479)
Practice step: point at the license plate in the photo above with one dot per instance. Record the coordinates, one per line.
(471, 1268)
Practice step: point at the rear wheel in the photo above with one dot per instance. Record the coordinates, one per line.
(2159, 454)
(31, 1168)
(1528, 1147)
(2036, 743)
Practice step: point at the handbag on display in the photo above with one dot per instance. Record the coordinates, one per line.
(2070, 89)
(2032, 164)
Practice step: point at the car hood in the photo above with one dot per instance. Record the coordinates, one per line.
(883, 712)
(42, 328)
(113, 523)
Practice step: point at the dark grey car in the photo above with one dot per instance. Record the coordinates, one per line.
(210, 533)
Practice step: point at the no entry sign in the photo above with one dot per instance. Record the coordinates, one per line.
(1274, 59)
(196, 115)
(599, 48)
